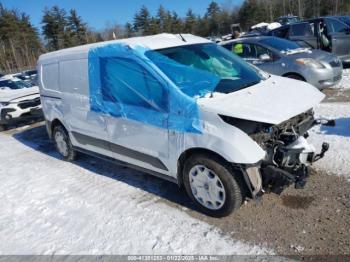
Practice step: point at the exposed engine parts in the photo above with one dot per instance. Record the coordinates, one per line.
(288, 154)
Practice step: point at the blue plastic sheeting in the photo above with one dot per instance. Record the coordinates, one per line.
(191, 81)
(125, 83)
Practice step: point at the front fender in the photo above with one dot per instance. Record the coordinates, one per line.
(228, 141)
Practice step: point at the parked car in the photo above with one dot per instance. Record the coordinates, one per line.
(327, 33)
(19, 100)
(344, 19)
(289, 19)
(286, 58)
(29, 76)
(182, 108)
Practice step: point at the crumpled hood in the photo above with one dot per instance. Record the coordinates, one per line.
(7, 95)
(272, 101)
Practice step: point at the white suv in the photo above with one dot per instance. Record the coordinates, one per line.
(184, 109)
(18, 100)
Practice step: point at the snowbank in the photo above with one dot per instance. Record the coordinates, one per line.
(90, 207)
(336, 160)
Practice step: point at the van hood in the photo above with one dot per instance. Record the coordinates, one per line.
(7, 95)
(272, 101)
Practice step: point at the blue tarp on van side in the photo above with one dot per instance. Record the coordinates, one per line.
(151, 89)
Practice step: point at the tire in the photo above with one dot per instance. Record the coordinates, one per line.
(296, 77)
(224, 202)
(3, 128)
(63, 143)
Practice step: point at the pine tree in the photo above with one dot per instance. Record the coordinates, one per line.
(129, 31)
(161, 19)
(212, 16)
(190, 22)
(54, 28)
(76, 28)
(19, 41)
(142, 21)
(176, 23)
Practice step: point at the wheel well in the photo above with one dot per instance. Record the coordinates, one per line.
(185, 155)
(55, 123)
(294, 74)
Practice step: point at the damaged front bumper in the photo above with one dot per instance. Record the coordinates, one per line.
(290, 165)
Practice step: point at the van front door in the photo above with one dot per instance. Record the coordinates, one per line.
(137, 130)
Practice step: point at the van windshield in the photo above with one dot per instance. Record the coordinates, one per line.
(202, 68)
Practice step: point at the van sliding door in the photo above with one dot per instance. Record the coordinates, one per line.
(86, 126)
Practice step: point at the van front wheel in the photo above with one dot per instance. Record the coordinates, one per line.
(211, 184)
(63, 144)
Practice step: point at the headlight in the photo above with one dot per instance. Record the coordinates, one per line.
(310, 62)
(2, 104)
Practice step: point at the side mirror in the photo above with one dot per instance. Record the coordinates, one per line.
(265, 58)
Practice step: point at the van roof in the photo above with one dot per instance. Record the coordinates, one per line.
(154, 42)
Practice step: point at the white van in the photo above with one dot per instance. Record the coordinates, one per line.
(184, 109)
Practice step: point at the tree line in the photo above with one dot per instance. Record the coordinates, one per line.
(21, 43)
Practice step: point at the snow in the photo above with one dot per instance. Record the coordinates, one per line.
(336, 160)
(344, 82)
(49, 206)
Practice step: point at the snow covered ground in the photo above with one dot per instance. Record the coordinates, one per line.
(336, 160)
(49, 206)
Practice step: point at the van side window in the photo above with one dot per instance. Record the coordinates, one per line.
(126, 82)
(77, 82)
(50, 77)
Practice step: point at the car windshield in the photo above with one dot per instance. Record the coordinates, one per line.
(202, 68)
(8, 84)
(280, 44)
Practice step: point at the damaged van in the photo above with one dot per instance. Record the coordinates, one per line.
(184, 109)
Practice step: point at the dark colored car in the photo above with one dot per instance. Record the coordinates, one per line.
(345, 19)
(327, 33)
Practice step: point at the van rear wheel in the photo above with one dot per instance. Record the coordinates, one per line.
(211, 184)
(63, 143)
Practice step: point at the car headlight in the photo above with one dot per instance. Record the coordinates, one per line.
(310, 62)
(2, 104)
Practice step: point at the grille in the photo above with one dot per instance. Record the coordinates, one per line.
(335, 63)
(29, 103)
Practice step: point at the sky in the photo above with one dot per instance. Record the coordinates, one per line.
(98, 13)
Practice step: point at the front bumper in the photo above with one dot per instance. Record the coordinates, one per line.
(276, 179)
(267, 177)
(13, 113)
(324, 78)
